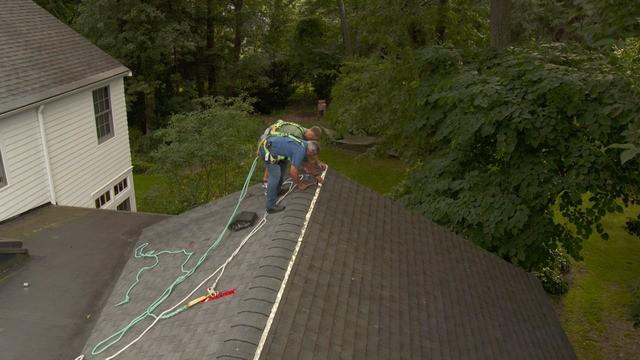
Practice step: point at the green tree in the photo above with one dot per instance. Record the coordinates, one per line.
(383, 27)
(500, 23)
(65, 10)
(150, 37)
(596, 24)
(502, 140)
(204, 153)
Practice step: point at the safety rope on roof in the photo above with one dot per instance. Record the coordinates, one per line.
(186, 273)
(176, 309)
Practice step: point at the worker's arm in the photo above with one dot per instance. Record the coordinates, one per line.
(315, 168)
(295, 177)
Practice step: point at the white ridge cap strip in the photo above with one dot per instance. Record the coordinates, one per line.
(274, 309)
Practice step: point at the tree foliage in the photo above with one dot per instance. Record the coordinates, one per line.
(151, 38)
(503, 138)
(383, 27)
(204, 153)
(596, 24)
(497, 140)
(65, 10)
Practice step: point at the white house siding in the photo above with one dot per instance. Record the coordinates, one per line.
(81, 168)
(23, 160)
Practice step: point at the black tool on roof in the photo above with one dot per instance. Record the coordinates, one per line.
(243, 220)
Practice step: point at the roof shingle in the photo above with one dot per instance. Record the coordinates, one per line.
(41, 57)
(372, 280)
(375, 281)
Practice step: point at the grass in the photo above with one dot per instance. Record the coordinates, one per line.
(596, 310)
(144, 183)
(380, 175)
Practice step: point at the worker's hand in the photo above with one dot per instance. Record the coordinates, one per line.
(319, 179)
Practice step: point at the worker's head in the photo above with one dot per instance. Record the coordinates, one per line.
(313, 148)
(313, 133)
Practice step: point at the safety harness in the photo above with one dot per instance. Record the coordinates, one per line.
(273, 130)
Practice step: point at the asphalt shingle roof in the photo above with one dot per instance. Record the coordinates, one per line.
(229, 327)
(40, 57)
(371, 281)
(375, 281)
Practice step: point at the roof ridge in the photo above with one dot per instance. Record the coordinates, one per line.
(248, 327)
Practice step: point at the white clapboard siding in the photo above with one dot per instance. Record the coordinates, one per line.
(81, 168)
(23, 159)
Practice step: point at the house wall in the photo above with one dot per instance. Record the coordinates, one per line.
(23, 161)
(83, 169)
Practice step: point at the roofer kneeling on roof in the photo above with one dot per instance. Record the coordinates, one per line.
(277, 151)
(286, 128)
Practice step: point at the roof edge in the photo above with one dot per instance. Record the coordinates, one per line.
(274, 309)
(28, 102)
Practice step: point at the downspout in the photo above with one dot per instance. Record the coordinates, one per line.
(45, 152)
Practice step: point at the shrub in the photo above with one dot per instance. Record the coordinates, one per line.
(561, 261)
(497, 138)
(372, 95)
(203, 154)
(633, 226)
(552, 281)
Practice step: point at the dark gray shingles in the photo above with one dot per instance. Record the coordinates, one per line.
(374, 281)
(76, 256)
(40, 57)
(228, 328)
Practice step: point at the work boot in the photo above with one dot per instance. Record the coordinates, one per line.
(275, 209)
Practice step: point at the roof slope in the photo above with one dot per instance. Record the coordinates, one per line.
(371, 280)
(375, 281)
(52, 318)
(230, 326)
(41, 57)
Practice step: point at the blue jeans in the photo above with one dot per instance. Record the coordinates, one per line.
(276, 172)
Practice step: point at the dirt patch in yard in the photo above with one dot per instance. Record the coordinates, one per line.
(622, 340)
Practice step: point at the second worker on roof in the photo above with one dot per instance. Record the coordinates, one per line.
(285, 142)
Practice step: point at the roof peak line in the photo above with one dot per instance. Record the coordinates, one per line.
(274, 309)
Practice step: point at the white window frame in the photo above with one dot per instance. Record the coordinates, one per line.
(108, 201)
(122, 203)
(120, 187)
(102, 109)
(4, 181)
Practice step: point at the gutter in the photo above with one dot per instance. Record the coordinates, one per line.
(68, 89)
(45, 153)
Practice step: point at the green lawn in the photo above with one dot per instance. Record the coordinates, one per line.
(380, 175)
(143, 184)
(596, 310)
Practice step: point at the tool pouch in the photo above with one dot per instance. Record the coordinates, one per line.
(243, 220)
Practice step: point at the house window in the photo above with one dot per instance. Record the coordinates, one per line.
(125, 205)
(103, 199)
(120, 187)
(102, 109)
(3, 174)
